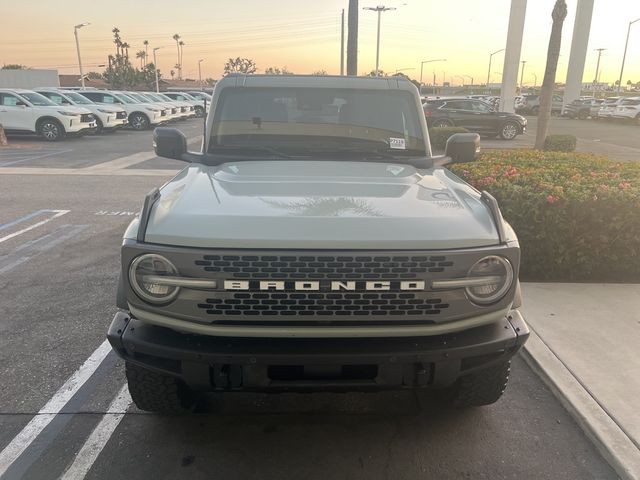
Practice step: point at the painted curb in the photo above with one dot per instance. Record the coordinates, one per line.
(614, 445)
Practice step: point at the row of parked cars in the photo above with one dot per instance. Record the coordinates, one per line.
(622, 108)
(54, 113)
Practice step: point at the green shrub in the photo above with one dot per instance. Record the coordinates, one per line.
(560, 143)
(577, 216)
(440, 135)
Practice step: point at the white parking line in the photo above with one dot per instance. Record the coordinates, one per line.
(99, 437)
(47, 413)
(58, 213)
(37, 157)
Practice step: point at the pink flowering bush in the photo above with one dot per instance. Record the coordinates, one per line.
(577, 215)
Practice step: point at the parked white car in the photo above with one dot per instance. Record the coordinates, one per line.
(141, 116)
(107, 118)
(171, 112)
(187, 109)
(196, 103)
(25, 111)
(608, 107)
(628, 109)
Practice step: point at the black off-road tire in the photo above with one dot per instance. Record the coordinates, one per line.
(477, 389)
(99, 127)
(155, 392)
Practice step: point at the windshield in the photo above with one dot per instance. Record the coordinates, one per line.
(163, 98)
(37, 99)
(77, 98)
(308, 121)
(125, 98)
(138, 96)
(187, 96)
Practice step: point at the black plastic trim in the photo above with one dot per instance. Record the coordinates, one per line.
(152, 197)
(492, 203)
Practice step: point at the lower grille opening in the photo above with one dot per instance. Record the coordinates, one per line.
(322, 372)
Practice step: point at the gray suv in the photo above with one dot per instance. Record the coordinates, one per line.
(315, 243)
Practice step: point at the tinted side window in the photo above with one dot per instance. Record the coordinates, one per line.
(8, 100)
(481, 107)
(458, 105)
(95, 96)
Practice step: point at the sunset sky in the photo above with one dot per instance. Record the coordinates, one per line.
(305, 35)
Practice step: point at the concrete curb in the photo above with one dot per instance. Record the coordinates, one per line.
(609, 439)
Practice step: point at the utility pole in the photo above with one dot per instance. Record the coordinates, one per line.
(379, 9)
(342, 43)
(523, 62)
(535, 80)
(490, 58)
(155, 68)
(624, 56)
(200, 72)
(429, 61)
(599, 50)
(352, 39)
(75, 32)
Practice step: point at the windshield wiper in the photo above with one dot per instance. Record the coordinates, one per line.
(249, 148)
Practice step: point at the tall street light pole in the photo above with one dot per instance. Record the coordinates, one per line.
(155, 67)
(624, 56)
(490, 58)
(75, 32)
(200, 71)
(599, 50)
(379, 9)
(523, 62)
(429, 61)
(342, 43)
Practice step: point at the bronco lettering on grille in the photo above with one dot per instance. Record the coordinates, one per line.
(316, 285)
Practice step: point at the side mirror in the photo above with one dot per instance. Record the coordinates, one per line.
(169, 143)
(463, 147)
(21, 104)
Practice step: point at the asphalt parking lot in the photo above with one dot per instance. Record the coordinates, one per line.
(616, 139)
(63, 410)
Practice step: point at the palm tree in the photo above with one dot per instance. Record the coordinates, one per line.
(548, 84)
(146, 51)
(116, 36)
(176, 37)
(181, 43)
(141, 55)
(125, 49)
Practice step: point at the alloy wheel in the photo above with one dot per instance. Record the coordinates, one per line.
(50, 131)
(509, 131)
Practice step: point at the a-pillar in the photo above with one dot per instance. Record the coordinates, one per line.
(512, 55)
(578, 54)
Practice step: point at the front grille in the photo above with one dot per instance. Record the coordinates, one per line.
(163, 113)
(121, 115)
(184, 109)
(86, 118)
(324, 304)
(174, 111)
(324, 267)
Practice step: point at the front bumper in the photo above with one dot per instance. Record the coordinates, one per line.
(208, 363)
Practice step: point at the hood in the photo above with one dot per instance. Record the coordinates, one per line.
(71, 108)
(319, 205)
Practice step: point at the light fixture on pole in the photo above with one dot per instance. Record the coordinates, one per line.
(624, 56)
(490, 58)
(599, 50)
(75, 32)
(155, 68)
(523, 62)
(429, 61)
(200, 71)
(379, 9)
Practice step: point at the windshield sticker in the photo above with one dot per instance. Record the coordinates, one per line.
(397, 143)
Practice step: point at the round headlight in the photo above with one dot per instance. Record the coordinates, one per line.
(142, 272)
(499, 275)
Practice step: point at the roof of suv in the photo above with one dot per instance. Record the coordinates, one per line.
(311, 81)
